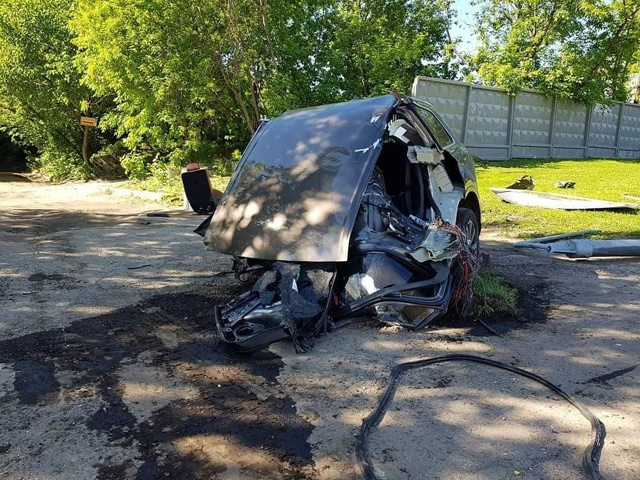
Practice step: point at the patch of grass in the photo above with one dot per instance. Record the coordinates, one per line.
(492, 295)
(595, 178)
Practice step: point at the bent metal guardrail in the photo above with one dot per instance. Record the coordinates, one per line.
(497, 126)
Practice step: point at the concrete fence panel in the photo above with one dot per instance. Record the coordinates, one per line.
(497, 126)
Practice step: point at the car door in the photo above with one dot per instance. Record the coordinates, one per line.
(446, 141)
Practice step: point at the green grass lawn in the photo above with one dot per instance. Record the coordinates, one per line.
(595, 178)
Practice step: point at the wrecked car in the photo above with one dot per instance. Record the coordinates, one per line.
(368, 207)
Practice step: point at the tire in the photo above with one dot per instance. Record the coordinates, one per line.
(467, 221)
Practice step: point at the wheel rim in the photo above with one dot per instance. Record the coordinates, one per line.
(471, 235)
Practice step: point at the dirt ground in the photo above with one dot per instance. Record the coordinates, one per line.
(110, 367)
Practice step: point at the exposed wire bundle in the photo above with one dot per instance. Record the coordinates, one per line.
(466, 265)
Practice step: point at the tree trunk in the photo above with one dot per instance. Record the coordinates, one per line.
(85, 147)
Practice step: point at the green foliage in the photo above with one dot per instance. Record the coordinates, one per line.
(178, 81)
(163, 61)
(41, 99)
(578, 49)
(634, 67)
(492, 295)
(134, 165)
(371, 48)
(59, 165)
(191, 80)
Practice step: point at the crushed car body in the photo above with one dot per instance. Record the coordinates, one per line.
(368, 207)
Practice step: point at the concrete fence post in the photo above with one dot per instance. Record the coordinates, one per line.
(512, 111)
(587, 131)
(618, 124)
(465, 118)
(552, 126)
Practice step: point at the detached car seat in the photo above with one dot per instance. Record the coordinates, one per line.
(197, 187)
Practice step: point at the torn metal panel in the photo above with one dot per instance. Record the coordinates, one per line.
(287, 301)
(439, 244)
(445, 195)
(425, 155)
(294, 195)
(528, 198)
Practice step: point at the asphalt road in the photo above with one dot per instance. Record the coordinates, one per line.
(110, 367)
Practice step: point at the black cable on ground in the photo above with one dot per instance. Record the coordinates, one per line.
(488, 327)
(590, 456)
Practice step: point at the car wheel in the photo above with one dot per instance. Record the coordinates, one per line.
(468, 222)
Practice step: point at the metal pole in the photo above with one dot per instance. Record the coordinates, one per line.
(560, 236)
(597, 248)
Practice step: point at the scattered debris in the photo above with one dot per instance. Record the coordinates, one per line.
(610, 376)
(583, 248)
(565, 184)
(557, 201)
(136, 267)
(525, 182)
(489, 328)
(158, 214)
(514, 218)
(366, 218)
(552, 238)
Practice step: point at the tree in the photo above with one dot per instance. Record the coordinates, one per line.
(191, 80)
(578, 49)
(186, 76)
(41, 98)
(378, 46)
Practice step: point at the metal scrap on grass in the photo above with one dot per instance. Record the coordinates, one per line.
(556, 201)
(574, 247)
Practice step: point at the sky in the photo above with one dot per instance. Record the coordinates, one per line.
(464, 28)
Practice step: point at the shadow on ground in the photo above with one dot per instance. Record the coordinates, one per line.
(145, 391)
(13, 177)
(172, 334)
